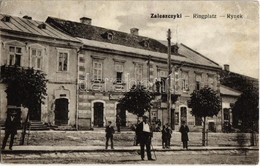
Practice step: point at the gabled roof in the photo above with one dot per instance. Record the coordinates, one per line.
(96, 37)
(227, 91)
(91, 32)
(28, 26)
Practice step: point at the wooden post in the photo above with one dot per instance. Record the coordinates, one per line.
(169, 80)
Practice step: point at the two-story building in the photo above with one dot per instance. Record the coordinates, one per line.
(28, 43)
(110, 62)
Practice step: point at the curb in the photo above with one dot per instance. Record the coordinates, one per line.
(35, 151)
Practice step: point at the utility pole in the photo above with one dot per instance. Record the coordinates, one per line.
(169, 79)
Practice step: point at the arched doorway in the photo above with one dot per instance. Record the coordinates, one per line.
(122, 115)
(98, 114)
(61, 111)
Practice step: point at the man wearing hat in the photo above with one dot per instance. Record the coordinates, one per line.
(144, 136)
(11, 125)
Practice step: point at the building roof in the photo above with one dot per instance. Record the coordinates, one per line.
(224, 90)
(29, 26)
(96, 36)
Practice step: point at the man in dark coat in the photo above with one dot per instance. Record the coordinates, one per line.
(12, 123)
(164, 137)
(168, 135)
(144, 136)
(109, 134)
(184, 129)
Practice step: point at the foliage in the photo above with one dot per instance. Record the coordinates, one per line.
(236, 81)
(247, 107)
(25, 86)
(136, 101)
(204, 102)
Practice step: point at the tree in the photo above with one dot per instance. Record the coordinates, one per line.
(204, 103)
(247, 108)
(25, 87)
(136, 101)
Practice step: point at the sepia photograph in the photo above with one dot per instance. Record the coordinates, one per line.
(129, 82)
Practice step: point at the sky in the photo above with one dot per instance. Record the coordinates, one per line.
(221, 39)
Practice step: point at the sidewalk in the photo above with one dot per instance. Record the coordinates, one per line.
(54, 149)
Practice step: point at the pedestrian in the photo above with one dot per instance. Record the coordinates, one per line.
(168, 135)
(184, 129)
(164, 138)
(109, 134)
(118, 122)
(144, 136)
(12, 123)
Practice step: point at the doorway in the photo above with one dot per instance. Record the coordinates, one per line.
(184, 114)
(61, 111)
(98, 114)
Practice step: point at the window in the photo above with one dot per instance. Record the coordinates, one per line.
(97, 70)
(226, 114)
(185, 81)
(119, 77)
(36, 58)
(15, 54)
(198, 82)
(163, 77)
(210, 81)
(138, 72)
(63, 61)
(198, 121)
(163, 84)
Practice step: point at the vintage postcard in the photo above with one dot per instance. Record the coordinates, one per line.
(129, 82)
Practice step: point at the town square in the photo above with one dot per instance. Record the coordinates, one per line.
(127, 82)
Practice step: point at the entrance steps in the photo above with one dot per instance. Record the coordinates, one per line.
(38, 125)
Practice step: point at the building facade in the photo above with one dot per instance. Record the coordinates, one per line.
(110, 62)
(29, 43)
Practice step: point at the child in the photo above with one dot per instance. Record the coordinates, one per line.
(109, 134)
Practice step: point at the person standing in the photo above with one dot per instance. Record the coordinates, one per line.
(118, 122)
(144, 135)
(109, 134)
(164, 137)
(168, 135)
(184, 129)
(12, 123)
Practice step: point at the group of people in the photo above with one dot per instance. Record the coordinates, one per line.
(144, 136)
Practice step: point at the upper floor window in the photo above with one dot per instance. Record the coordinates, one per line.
(15, 55)
(63, 59)
(185, 81)
(97, 70)
(36, 58)
(119, 68)
(138, 72)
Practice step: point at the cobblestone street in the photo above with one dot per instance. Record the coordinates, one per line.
(170, 157)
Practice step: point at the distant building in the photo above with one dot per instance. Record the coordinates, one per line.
(228, 98)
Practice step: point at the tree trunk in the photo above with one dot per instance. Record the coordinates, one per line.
(24, 128)
(204, 132)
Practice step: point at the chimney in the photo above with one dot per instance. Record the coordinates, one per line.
(27, 17)
(85, 20)
(134, 31)
(226, 67)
